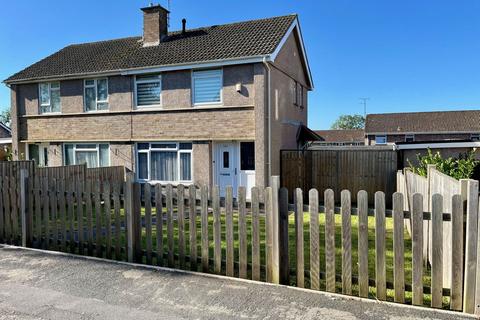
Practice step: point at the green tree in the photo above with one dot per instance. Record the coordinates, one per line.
(347, 121)
(5, 117)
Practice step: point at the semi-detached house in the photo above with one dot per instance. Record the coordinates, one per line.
(211, 105)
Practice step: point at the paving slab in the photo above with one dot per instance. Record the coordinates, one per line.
(46, 285)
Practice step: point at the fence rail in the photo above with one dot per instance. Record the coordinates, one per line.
(309, 243)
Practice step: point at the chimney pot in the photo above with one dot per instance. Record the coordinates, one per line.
(184, 24)
(155, 24)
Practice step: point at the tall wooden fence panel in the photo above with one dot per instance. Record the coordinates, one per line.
(113, 174)
(69, 175)
(436, 182)
(340, 169)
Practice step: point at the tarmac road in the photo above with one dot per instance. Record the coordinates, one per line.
(44, 285)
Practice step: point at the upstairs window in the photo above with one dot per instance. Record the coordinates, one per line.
(148, 90)
(295, 93)
(49, 97)
(96, 94)
(207, 87)
(300, 98)
(475, 137)
(381, 139)
(409, 138)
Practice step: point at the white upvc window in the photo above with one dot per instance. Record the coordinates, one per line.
(92, 154)
(475, 137)
(381, 139)
(96, 94)
(207, 87)
(164, 162)
(409, 138)
(49, 97)
(148, 90)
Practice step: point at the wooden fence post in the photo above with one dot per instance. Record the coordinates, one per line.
(470, 245)
(380, 267)
(268, 232)
(275, 183)
(456, 293)
(362, 205)
(129, 212)
(417, 243)
(346, 242)
(283, 237)
(315, 240)
(437, 247)
(23, 207)
(299, 238)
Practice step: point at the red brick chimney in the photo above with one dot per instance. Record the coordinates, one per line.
(155, 24)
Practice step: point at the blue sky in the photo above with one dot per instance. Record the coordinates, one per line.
(410, 55)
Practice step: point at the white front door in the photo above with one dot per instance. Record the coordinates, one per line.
(226, 166)
(235, 166)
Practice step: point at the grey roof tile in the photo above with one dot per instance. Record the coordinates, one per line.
(412, 122)
(228, 41)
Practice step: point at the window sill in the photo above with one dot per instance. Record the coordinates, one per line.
(97, 111)
(208, 104)
(50, 113)
(173, 183)
(151, 107)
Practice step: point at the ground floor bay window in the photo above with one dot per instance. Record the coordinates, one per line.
(166, 162)
(92, 154)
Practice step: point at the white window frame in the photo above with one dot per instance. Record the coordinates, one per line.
(75, 149)
(218, 103)
(176, 149)
(384, 136)
(475, 136)
(94, 85)
(147, 81)
(49, 104)
(412, 136)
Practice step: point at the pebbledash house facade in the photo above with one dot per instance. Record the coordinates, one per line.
(211, 105)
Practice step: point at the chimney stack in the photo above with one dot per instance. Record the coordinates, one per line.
(184, 25)
(155, 25)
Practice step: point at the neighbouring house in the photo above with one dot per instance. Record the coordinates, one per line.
(5, 141)
(211, 105)
(354, 137)
(449, 132)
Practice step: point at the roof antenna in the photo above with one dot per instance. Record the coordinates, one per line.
(364, 102)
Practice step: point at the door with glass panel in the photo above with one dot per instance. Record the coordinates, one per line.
(246, 177)
(39, 154)
(226, 166)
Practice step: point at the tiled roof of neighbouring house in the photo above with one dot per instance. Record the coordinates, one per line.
(228, 41)
(341, 135)
(424, 122)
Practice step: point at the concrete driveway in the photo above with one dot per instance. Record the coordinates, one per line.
(40, 285)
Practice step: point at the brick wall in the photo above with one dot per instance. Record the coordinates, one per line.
(219, 124)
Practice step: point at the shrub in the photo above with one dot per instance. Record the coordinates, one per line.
(462, 167)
